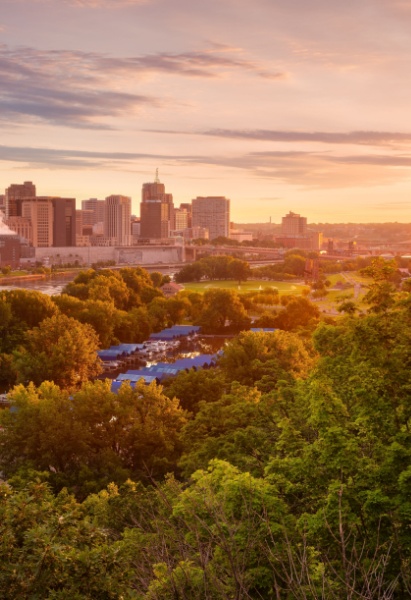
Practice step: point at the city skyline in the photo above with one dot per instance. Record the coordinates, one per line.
(278, 106)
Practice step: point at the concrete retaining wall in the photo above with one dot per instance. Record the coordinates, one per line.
(133, 255)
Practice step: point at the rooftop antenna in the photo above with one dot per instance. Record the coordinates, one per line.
(156, 180)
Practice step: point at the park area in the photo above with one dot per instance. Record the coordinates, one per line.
(283, 287)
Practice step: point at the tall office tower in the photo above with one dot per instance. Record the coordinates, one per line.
(187, 206)
(156, 210)
(46, 221)
(213, 213)
(64, 226)
(40, 212)
(95, 211)
(293, 225)
(180, 219)
(15, 194)
(84, 218)
(117, 219)
(3, 203)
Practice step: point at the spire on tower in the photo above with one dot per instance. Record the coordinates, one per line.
(156, 180)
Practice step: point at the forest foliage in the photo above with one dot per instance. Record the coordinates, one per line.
(284, 473)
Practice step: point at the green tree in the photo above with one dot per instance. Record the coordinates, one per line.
(294, 264)
(224, 521)
(239, 270)
(29, 307)
(192, 387)
(222, 310)
(298, 312)
(279, 355)
(87, 438)
(381, 293)
(109, 286)
(237, 427)
(60, 349)
(133, 326)
(52, 548)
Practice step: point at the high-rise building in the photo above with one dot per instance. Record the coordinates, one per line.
(181, 217)
(156, 210)
(187, 207)
(15, 194)
(293, 225)
(40, 212)
(294, 234)
(52, 219)
(213, 213)
(64, 224)
(84, 219)
(117, 219)
(95, 211)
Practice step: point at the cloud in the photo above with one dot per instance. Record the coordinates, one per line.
(64, 88)
(80, 89)
(363, 138)
(306, 170)
(68, 159)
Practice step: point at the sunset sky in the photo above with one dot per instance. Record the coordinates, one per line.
(279, 105)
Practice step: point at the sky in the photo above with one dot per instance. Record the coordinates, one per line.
(279, 105)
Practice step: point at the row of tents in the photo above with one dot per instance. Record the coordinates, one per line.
(161, 371)
(122, 351)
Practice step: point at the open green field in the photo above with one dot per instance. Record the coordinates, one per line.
(13, 274)
(284, 287)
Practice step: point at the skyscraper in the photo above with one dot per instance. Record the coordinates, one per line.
(95, 211)
(213, 213)
(293, 225)
(52, 219)
(40, 213)
(64, 226)
(117, 219)
(15, 194)
(156, 210)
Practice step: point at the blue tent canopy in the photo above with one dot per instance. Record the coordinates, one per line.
(110, 354)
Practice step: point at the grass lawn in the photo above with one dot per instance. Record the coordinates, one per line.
(284, 287)
(13, 274)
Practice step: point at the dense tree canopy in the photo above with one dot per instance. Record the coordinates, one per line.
(278, 355)
(91, 437)
(215, 267)
(283, 473)
(223, 310)
(60, 349)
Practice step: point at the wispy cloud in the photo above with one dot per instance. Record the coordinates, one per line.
(68, 159)
(80, 89)
(64, 88)
(302, 169)
(363, 138)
